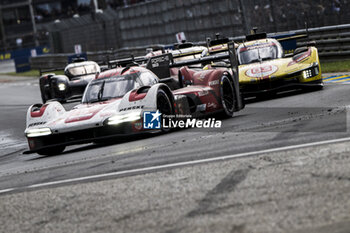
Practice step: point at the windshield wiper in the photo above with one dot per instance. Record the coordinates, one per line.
(100, 92)
(259, 57)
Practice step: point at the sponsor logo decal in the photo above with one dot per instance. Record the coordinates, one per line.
(36, 124)
(213, 83)
(261, 71)
(156, 61)
(132, 108)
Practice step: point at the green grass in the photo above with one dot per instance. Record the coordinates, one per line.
(31, 73)
(335, 66)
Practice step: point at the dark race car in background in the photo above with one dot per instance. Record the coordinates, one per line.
(69, 86)
(265, 68)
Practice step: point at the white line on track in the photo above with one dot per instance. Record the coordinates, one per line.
(6, 190)
(173, 165)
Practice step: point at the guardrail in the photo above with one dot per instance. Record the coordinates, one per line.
(333, 43)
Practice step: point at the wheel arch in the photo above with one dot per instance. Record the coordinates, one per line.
(170, 95)
(44, 112)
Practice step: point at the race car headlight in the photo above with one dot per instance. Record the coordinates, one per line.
(311, 72)
(307, 73)
(31, 133)
(61, 86)
(128, 117)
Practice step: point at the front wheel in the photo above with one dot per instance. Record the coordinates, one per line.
(228, 96)
(164, 106)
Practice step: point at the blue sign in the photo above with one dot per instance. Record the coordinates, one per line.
(152, 120)
(22, 64)
(21, 57)
(289, 45)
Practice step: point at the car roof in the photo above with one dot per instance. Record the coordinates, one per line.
(121, 71)
(83, 63)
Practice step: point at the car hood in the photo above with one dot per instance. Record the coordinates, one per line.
(86, 78)
(272, 69)
(87, 111)
(85, 116)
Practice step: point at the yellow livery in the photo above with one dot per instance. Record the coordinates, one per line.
(264, 68)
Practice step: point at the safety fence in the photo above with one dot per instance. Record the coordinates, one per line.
(333, 43)
(157, 21)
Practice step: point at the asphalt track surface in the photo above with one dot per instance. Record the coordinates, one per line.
(280, 165)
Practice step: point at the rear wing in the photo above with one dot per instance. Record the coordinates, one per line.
(256, 36)
(289, 41)
(290, 37)
(161, 64)
(190, 51)
(127, 61)
(43, 71)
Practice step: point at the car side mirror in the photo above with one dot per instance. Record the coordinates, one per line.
(311, 43)
(300, 50)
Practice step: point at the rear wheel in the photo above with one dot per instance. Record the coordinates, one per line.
(228, 96)
(164, 106)
(180, 79)
(52, 150)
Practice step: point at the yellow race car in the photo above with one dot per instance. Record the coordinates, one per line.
(265, 69)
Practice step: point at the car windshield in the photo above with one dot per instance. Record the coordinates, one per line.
(83, 70)
(257, 53)
(109, 88)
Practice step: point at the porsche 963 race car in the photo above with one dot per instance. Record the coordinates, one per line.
(114, 103)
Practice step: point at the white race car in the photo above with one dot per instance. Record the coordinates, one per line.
(116, 101)
(111, 105)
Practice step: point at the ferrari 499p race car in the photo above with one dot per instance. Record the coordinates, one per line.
(117, 101)
(70, 85)
(265, 69)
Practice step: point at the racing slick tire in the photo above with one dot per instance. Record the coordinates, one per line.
(180, 80)
(164, 106)
(228, 96)
(52, 150)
